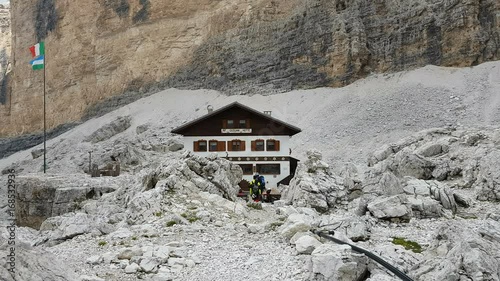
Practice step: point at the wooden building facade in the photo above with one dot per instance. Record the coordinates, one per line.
(252, 139)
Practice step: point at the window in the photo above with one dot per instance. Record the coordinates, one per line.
(236, 145)
(213, 145)
(258, 145)
(247, 169)
(272, 145)
(230, 124)
(268, 169)
(243, 124)
(200, 145)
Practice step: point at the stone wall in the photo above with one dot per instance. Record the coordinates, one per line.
(103, 54)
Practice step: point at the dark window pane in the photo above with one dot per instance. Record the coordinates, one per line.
(202, 145)
(268, 169)
(230, 124)
(236, 145)
(271, 145)
(259, 145)
(213, 146)
(243, 123)
(247, 169)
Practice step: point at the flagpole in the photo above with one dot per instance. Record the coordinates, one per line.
(44, 122)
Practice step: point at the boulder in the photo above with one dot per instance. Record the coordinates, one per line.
(306, 244)
(41, 197)
(488, 179)
(150, 264)
(337, 262)
(132, 268)
(390, 207)
(105, 132)
(35, 153)
(461, 252)
(33, 264)
(315, 186)
(295, 223)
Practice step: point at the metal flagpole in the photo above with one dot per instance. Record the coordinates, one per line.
(44, 115)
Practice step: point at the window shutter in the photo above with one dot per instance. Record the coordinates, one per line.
(248, 123)
(196, 146)
(242, 145)
(254, 145)
(229, 145)
(224, 123)
(277, 145)
(221, 146)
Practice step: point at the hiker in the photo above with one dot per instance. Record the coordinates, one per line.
(255, 190)
(262, 181)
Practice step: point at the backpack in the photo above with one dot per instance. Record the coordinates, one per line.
(262, 181)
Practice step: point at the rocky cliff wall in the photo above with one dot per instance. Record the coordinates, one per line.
(105, 53)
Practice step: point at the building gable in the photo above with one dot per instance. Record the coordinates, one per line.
(236, 119)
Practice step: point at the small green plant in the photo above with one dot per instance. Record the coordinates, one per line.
(102, 243)
(158, 214)
(409, 245)
(190, 217)
(193, 219)
(171, 223)
(134, 238)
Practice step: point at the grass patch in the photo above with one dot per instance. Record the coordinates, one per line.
(102, 243)
(193, 219)
(158, 214)
(190, 217)
(134, 238)
(170, 223)
(409, 245)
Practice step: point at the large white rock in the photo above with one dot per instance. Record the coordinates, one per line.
(306, 244)
(315, 186)
(132, 268)
(295, 223)
(462, 252)
(337, 262)
(33, 264)
(390, 207)
(150, 264)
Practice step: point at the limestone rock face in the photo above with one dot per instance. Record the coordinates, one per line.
(34, 264)
(460, 252)
(40, 197)
(126, 49)
(315, 186)
(337, 262)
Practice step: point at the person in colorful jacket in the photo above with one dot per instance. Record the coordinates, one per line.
(255, 191)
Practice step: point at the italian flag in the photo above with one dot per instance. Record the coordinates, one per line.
(37, 63)
(38, 50)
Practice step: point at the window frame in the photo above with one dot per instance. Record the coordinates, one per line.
(248, 165)
(242, 125)
(267, 145)
(263, 148)
(210, 142)
(230, 124)
(199, 145)
(260, 172)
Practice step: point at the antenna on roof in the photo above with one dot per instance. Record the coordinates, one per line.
(210, 108)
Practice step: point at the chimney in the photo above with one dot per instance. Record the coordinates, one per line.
(267, 112)
(210, 108)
